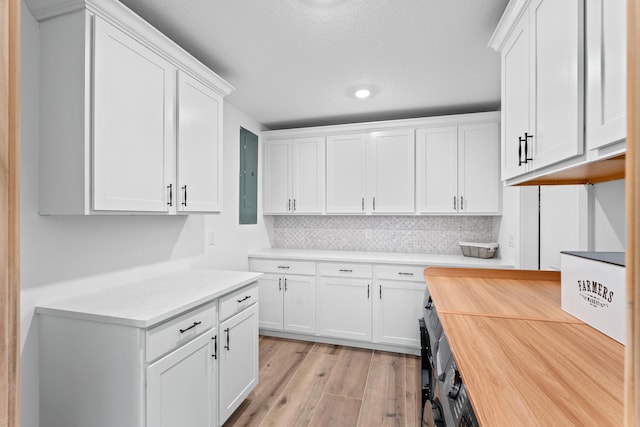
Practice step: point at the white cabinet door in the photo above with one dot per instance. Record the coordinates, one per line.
(516, 99)
(133, 89)
(299, 304)
(606, 72)
(277, 177)
(346, 173)
(437, 171)
(345, 308)
(398, 305)
(390, 169)
(238, 358)
(308, 175)
(181, 387)
(270, 288)
(199, 147)
(557, 28)
(478, 165)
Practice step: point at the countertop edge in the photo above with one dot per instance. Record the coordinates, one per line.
(383, 258)
(148, 323)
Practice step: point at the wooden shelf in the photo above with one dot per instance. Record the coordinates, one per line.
(586, 173)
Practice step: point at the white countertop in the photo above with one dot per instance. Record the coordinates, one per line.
(381, 258)
(151, 301)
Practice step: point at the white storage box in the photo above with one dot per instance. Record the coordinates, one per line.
(479, 250)
(594, 290)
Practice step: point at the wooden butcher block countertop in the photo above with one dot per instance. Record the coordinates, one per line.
(523, 360)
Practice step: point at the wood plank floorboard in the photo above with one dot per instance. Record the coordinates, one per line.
(384, 402)
(313, 384)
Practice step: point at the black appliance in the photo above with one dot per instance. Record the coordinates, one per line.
(444, 398)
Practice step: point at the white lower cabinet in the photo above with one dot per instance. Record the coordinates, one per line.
(185, 371)
(345, 301)
(398, 304)
(288, 303)
(182, 386)
(345, 308)
(238, 360)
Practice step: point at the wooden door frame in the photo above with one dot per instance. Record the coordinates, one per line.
(9, 211)
(632, 349)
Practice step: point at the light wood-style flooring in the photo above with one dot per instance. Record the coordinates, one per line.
(313, 384)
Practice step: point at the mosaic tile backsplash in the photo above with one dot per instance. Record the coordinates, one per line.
(409, 234)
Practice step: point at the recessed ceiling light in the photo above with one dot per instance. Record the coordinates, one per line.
(362, 93)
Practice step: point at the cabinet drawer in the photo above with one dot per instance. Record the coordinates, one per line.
(339, 269)
(238, 301)
(410, 273)
(280, 266)
(176, 332)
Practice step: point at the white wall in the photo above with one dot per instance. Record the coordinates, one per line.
(63, 256)
(516, 231)
(609, 217)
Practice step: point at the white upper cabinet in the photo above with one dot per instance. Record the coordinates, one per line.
(127, 117)
(199, 146)
(542, 48)
(516, 105)
(371, 173)
(478, 171)
(294, 176)
(558, 80)
(458, 169)
(437, 170)
(606, 72)
(346, 173)
(391, 160)
(132, 89)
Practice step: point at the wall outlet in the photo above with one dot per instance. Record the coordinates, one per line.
(511, 242)
(211, 238)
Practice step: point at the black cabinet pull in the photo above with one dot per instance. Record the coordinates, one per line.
(374, 203)
(285, 284)
(294, 204)
(461, 203)
(184, 202)
(245, 298)
(280, 284)
(363, 204)
(170, 187)
(526, 147)
(289, 205)
(283, 267)
(454, 203)
(368, 294)
(380, 291)
(405, 274)
(520, 141)
(227, 346)
(215, 347)
(344, 270)
(182, 331)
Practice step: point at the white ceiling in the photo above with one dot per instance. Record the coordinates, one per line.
(295, 62)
